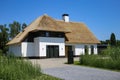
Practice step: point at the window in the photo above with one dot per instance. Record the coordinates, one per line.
(86, 50)
(92, 49)
(47, 34)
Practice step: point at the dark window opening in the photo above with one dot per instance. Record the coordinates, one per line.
(47, 34)
(30, 37)
(52, 51)
(86, 50)
(92, 49)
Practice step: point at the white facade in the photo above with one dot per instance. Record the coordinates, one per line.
(15, 49)
(38, 48)
(79, 49)
(27, 49)
(42, 42)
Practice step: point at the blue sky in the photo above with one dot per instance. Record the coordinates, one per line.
(101, 16)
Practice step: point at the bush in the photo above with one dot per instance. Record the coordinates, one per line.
(91, 60)
(0, 52)
(12, 68)
(115, 53)
(109, 59)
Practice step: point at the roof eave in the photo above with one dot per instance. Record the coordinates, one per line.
(35, 30)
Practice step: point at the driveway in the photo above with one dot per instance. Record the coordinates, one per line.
(57, 68)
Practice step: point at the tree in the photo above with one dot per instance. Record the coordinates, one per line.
(118, 42)
(105, 42)
(24, 25)
(15, 28)
(3, 38)
(112, 40)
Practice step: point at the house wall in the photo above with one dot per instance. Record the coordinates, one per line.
(95, 49)
(36, 47)
(24, 49)
(27, 49)
(15, 49)
(79, 49)
(44, 41)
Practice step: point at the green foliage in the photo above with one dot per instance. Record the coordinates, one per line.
(114, 53)
(5, 34)
(15, 28)
(110, 59)
(92, 60)
(112, 40)
(3, 37)
(24, 25)
(76, 62)
(105, 42)
(12, 68)
(0, 52)
(46, 77)
(118, 43)
(106, 52)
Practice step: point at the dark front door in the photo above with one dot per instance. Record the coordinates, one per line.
(52, 51)
(67, 48)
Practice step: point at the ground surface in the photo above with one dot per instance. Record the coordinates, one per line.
(57, 68)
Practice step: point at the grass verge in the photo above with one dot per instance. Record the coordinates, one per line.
(12, 68)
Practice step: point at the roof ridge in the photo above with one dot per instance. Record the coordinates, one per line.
(70, 21)
(40, 17)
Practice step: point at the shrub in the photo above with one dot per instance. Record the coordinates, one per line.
(110, 61)
(12, 68)
(0, 52)
(91, 60)
(115, 53)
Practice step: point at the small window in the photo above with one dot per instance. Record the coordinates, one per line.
(47, 34)
(92, 49)
(86, 50)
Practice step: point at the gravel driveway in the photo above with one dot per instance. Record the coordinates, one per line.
(57, 68)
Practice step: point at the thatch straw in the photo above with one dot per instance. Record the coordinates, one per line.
(74, 32)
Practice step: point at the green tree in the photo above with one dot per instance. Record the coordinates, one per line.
(24, 25)
(3, 38)
(15, 28)
(105, 42)
(112, 40)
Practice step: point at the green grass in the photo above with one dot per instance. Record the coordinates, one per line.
(12, 68)
(46, 77)
(76, 62)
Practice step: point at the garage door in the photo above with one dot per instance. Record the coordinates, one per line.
(52, 51)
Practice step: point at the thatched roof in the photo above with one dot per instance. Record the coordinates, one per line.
(74, 32)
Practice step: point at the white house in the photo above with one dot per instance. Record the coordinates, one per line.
(47, 37)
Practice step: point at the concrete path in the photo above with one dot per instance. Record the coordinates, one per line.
(57, 68)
